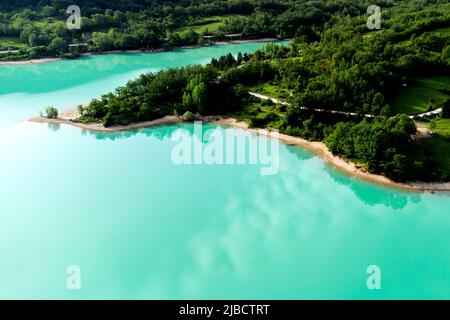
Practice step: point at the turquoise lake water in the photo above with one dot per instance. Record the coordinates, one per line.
(139, 226)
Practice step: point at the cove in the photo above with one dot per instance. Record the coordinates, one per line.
(139, 226)
(25, 90)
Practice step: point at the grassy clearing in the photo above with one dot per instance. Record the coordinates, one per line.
(418, 97)
(9, 42)
(262, 113)
(45, 22)
(15, 43)
(272, 90)
(210, 24)
(442, 127)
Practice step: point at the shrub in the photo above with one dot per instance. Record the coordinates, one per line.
(51, 113)
(263, 119)
(188, 117)
(176, 114)
(80, 109)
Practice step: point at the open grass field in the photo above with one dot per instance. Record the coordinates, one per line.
(9, 42)
(417, 97)
(273, 91)
(442, 127)
(262, 113)
(209, 24)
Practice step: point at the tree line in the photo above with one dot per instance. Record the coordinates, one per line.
(154, 24)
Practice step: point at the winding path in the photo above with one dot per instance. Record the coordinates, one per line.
(276, 101)
(427, 114)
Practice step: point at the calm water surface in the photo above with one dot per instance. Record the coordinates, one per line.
(140, 226)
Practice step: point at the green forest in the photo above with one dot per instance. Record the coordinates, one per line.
(35, 29)
(356, 89)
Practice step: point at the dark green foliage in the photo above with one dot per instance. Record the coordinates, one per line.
(188, 117)
(382, 145)
(151, 24)
(446, 109)
(261, 121)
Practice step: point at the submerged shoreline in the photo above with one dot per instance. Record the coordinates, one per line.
(318, 148)
(150, 51)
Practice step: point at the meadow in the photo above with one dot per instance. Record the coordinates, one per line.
(208, 25)
(421, 95)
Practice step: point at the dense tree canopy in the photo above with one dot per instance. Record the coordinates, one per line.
(39, 26)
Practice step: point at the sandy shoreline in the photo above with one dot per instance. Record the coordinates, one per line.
(318, 148)
(32, 61)
(217, 43)
(98, 127)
